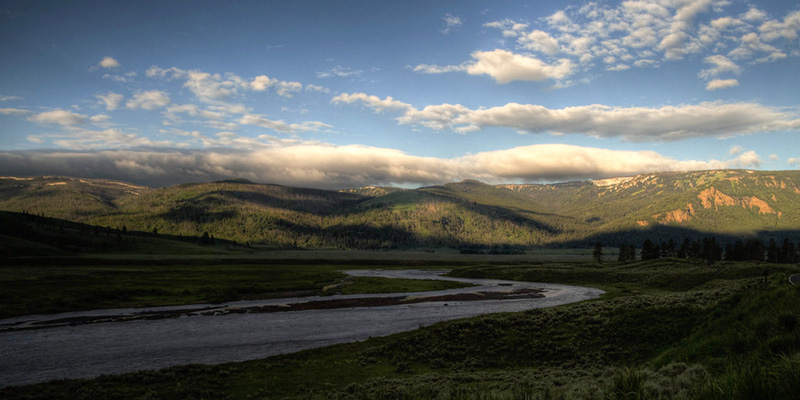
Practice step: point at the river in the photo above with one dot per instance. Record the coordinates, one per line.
(215, 333)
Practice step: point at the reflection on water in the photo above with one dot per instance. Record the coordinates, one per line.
(81, 351)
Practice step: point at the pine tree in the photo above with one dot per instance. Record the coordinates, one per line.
(711, 250)
(788, 253)
(772, 251)
(597, 253)
(623, 253)
(683, 251)
(728, 252)
(649, 251)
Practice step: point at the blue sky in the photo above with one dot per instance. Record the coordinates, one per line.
(336, 94)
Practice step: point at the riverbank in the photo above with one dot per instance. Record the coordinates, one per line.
(666, 329)
(78, 345)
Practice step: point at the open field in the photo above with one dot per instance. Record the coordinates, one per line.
(666, 329)
(59, 283)
(40, 289)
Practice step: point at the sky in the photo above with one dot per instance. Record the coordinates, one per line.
(343, 94)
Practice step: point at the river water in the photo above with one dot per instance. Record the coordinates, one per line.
(62, 350)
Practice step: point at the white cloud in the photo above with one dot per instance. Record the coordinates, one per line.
(111, 100)
(508, 27)
(793, 161)
(721, 65)
(556, 162)
(282, 88)
(504, 67)
(560, 21)
(124, 78)
(261, 83)
(281, 126)
(644, 63)
(540, 41)
(218, 89)
(100, 119)
(109, 62)
(638, 124)
(749, 45)
(334, 167)
(440, 117)
(747, 159)
(59, 117)
(644, 33)
(774, 157)
(725, 23)
(209, 87)
(641, 37)
(373, 102)
(618, 67)
(754, 15)
(787, 29)
(436, 69)
(770, 58)
(717, 84)
(193, 110)
(7, 98)
(734, 150)
(315, 88)
(341, 72)
(451, 23)
(674, 44)
(87, 139)
(666, 123)
(149, 100)
(13, 111)
(165, 73)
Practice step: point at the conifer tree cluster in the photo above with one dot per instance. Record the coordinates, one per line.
(626, 253)
(709, 250)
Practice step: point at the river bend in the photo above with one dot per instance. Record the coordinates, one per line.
(213, 334)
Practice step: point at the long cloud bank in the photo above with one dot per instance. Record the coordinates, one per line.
(336, 167)
(635, 124)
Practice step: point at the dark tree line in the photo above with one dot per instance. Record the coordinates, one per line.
(626, 253)
(709, 250)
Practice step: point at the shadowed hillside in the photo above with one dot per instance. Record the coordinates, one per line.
(468, 215)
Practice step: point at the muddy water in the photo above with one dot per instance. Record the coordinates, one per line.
(194, 335)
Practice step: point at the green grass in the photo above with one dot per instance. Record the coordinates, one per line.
(719, 333)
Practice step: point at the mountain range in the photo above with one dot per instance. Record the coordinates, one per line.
(729, 204)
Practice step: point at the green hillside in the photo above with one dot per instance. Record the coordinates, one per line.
(734, 202)
(24, 234)
(372, 191)
(468, 215)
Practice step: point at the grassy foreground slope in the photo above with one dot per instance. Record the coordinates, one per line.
(668, 329)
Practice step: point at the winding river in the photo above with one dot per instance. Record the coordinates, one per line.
(38, 348)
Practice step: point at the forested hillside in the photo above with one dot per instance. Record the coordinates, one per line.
(469, 215)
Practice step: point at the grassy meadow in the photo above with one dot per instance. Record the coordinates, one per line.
(666, 329)
(42, 289)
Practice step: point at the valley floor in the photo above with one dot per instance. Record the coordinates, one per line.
(666, 329)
